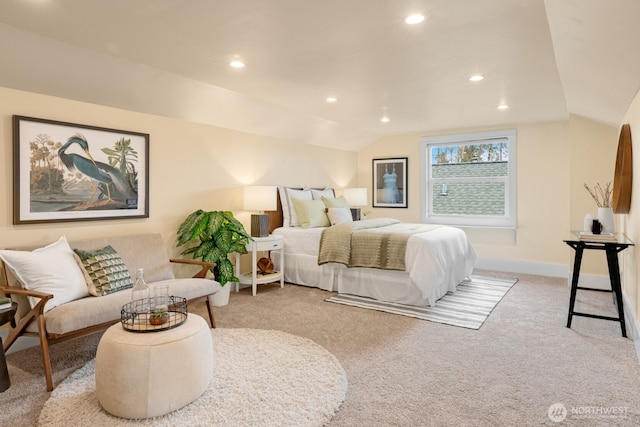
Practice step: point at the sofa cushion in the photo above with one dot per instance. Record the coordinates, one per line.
(52, 269)
(89, 311)
(106, 272)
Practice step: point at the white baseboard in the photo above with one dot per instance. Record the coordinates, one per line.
(543, 269)
(524, 267)
(633, 329)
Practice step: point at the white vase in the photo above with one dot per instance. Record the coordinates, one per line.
(221, 298)
(605, 216)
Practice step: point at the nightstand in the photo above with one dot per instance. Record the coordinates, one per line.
(254, 277)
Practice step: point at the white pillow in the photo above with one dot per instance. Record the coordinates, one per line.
(311, 213)
(52, 270)
(319, 194)
(339, 215)
(290, 218)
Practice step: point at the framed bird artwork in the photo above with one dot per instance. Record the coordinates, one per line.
(74, 172)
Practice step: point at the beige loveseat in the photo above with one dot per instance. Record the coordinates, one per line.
(91, 314)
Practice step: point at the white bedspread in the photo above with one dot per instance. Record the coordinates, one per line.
(436, 261)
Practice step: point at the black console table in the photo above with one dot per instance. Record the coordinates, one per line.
(611, 249)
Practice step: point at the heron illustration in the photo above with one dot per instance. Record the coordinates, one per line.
(101, 172)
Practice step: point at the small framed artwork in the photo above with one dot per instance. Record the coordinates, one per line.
(72, 172)
(390, 183)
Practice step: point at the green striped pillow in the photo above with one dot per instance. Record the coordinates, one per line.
(105, 271)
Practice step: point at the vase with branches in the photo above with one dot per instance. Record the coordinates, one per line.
(601, 195)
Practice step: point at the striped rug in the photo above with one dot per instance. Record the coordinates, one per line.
(468, 307)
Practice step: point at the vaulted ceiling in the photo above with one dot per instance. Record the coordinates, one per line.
(545, 59)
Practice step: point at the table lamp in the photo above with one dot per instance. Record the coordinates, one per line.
(355, 197)
(260, 198)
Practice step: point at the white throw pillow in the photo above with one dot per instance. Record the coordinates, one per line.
(311, 213)
(52, 270)
(290, 218)
(319, 194)
(339, 215)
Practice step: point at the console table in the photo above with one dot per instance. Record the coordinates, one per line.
(611, 250)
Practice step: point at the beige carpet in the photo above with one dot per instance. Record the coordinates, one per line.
(407, 372)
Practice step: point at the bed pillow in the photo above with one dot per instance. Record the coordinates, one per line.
(290, 217)
(52, 269)
(105, 271)
(337, 202)
(319, 194)
(311, 213)
(339, 215)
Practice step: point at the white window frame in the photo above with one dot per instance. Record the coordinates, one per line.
(506, 221)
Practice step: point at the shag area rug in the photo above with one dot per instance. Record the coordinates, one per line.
(468, 307)
(260, 378)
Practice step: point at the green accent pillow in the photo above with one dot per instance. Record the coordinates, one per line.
(105, 271)
(338, 202)
(311, 213)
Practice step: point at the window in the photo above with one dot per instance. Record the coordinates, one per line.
(470, 179)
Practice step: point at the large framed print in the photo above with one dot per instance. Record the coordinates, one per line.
(72, 172)
(390, 183)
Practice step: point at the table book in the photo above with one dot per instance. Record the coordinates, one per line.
(602, 237)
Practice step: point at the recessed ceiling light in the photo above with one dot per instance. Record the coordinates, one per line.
(502, 107)
(384, 119)
(414, 19)
(236, 63)
(476, 78)
(332, 99)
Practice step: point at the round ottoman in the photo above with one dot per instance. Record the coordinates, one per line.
(142, 375)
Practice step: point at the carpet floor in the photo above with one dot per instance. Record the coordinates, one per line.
(467, 307)
(260, 378)
(407, 372)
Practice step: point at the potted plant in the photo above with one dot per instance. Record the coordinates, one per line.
(159, 316)
(213, 236)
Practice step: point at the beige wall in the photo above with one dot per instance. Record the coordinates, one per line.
(192, 166)
(553, 162)
(630, 223)
(196, 166)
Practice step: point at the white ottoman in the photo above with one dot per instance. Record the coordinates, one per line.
(142, 375)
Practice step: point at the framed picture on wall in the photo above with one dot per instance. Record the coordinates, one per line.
(390, 183)
(72, 172)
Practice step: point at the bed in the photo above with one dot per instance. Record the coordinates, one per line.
(434, 263)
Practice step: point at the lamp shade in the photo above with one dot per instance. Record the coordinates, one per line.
(260, 198)
(355, 196)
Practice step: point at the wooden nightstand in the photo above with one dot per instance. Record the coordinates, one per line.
(254, 277)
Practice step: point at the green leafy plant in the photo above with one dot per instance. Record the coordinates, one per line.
(159, 312)
(213, 236)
